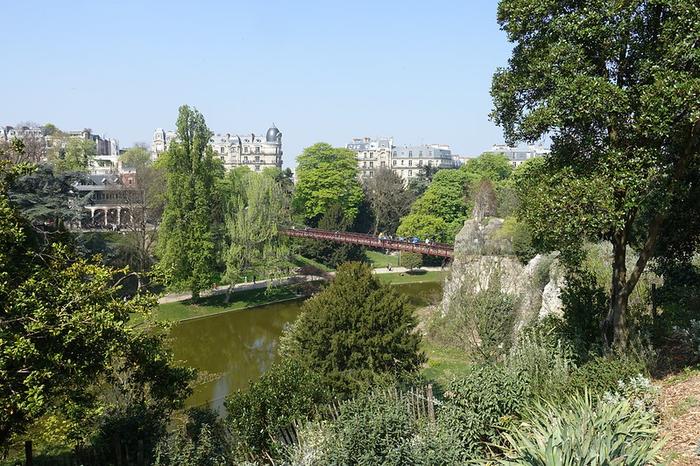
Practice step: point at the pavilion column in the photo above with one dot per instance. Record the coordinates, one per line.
(119, 216)
(106, 212)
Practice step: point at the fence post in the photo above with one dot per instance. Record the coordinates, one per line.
(28, 456)
(431, 408)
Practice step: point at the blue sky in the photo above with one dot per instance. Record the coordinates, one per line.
(419, 71)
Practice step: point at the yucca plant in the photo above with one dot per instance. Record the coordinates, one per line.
(583, 432)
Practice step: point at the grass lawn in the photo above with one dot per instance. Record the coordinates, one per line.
(300, 261)
(444, 364)
(380, 260)
(419, 277)
(172, 312)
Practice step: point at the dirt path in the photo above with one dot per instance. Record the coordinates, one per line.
(680, 418)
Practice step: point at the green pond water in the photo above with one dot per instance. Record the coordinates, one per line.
(235, 347)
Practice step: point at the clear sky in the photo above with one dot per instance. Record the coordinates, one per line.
(419, 71)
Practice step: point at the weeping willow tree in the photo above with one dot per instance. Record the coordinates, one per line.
(256, 208)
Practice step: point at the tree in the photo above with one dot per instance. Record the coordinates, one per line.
(425, 226)
(187, 243)
(47, 199)
(136, 157)
(73, 155)
(485, 201)
(253, 218)
(145, 202)
(445, 197)
(489, 165)
(356, 332)
(411, 260)
(388, 199)
(64, 329)
(331, 253)
(616, 85)
(325, 176)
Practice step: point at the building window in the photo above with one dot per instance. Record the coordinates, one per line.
(364, 164)
(410, 163)
(222, 149)
(245, 150)
(257, 159)
(410, 173)
(382, 164)
(371, 154)
(394, 162)
(257, 149)
(402, 162)
(394, 153)
(420, 163)
(410, 153)
(371, 164)
(420, 154)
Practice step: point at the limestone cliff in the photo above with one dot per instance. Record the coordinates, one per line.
(483, 254)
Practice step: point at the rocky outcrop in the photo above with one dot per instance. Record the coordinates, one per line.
(483, 256)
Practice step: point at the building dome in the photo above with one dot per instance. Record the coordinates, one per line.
(272, 134)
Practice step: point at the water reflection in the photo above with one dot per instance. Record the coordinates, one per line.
(239, 346)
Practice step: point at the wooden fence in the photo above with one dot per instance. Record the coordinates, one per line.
(118, 454)
(419, 402)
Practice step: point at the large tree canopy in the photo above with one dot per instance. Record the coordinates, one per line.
(326, 176)
(617, 87)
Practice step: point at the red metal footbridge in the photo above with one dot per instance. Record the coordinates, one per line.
(430, 249)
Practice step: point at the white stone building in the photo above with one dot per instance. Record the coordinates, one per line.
(405, 161)
(518, 155)
(248, 150)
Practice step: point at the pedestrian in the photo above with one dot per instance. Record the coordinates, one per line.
(254, 277)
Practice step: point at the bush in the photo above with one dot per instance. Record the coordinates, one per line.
(286, 392)
(202, 441)
(602, 374)
(479, 406)
(585, 305)
(377, 429)
(356, 333)
(479, 322)
(542, 359)
(583, 432)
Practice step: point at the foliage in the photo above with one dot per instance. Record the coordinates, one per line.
(357, 332)
(488, 166)
(425, 226)
(520, 238)
(187, 243)
(479, 321)
(637, 390)
(616, 87)
(325, 176)
(485, 201)
(330, 253)
(585, 304)
(480, 405)
(65, 330)
(253, 217)
(583, 432)
(411, 260)
(388, 199)
(136, 157)
(288, 391)
(377, 429)
(72, 154)
(603, 373)
(202, 441)
(542, 359)
(445, 197)
(47, 199)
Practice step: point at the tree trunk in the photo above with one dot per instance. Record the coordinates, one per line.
(614, 326)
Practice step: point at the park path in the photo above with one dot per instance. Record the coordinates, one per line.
(177, 297)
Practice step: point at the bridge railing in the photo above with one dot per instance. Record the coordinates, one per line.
(431, 249)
